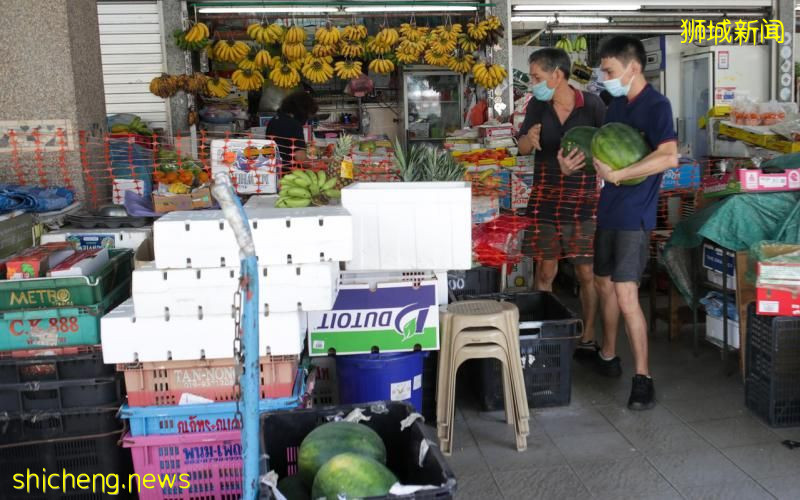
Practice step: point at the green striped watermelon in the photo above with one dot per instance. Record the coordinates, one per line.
(619, 146)
(350, 476)
(292, 488)
(334, 438)
(580, 138)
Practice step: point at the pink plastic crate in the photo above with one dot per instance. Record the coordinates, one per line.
(213, 462)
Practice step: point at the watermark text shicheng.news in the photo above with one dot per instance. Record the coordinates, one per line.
(725, 31)
(33, 482)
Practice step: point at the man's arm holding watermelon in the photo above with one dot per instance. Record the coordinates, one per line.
(663, 157)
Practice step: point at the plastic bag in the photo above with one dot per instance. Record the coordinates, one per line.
(771, 113)
(713, 303)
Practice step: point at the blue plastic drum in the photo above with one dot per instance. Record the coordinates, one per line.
(364, 378)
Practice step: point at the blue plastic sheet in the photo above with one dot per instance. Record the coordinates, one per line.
(34, 199)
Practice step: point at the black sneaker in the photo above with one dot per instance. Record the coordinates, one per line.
(610, 368)
(643, 395)
(586, 351)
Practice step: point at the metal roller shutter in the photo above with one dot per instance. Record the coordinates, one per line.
(132, 50)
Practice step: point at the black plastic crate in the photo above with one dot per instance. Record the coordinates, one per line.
(36, 426)
(60, 395)
(82, 363)
(548, 331)
(282, 433)
(430, 366)
(479, 280)
(772, 382)
(95, 454)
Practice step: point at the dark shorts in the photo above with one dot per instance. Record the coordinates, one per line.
(623, 255)
(571, 241)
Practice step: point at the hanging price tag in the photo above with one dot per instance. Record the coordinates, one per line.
(347, 168)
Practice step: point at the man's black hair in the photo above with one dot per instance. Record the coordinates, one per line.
(625, 48)
(551, 59)
(300, 105)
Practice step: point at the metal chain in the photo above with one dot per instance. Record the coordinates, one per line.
(238, 355)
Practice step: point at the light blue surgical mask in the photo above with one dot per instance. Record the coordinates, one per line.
(616, 88)
(542, 92)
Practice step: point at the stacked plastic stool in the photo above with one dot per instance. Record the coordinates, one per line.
(473, 330)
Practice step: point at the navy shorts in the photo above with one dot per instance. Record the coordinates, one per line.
(622, 255)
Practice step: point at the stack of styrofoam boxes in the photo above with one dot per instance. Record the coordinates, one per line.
(174, 338)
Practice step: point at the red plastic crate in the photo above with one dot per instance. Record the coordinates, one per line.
(211, 462)
(163, 383)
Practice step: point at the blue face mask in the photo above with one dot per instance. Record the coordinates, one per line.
(616, 88)
(542, 92)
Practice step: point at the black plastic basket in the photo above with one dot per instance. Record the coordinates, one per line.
(772, 382)
(36, 426)
(282, 433)
(87, 362)
(430, 366)
(548, 331)
(479, 280)
(60, 395)
(95, 454)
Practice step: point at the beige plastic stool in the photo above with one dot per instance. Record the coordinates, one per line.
(479, 352)
(512, 390)
(486, 315)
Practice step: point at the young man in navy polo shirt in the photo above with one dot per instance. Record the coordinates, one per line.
(627, 214)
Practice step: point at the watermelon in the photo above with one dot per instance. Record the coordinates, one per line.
(350, 475)
(292, 488)
(334, 438)
(580, 138)
(620, 146)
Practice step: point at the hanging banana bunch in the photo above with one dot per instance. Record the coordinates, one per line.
(478, 30)
(295, 34)
(435, 58)
(218, 87)
(249, 62)
(284, 75)
(248, 79)
(381, 66)
(263, 60)
(318, 69)
(348, 70)
(410, 31)
(327, 35)
(387, 36)
(495, 32)
(320, 50)
(488, 75)
(376, 47)
(409, 52)
(265, 33)
(294, 51)
(230, 51)
(351, 49)
(165, 85)
(461, 63)
(354, 32)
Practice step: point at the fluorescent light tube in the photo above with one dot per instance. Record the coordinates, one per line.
(244, 9)
(584, 7)
(413, 8)
(560, 19)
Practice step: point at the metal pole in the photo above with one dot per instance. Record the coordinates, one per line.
(248, 347)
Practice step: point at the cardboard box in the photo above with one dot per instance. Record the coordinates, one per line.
(37, 261)
(777, 300)
(16, 232)
(780, 273)
(81, 263)
(713, 261)
(753, 180)
(144, 256)
(686, 176)
(394, 314)
(250, 173)
(714, 330)
(721, 185)
(90, 239)
(197, 199)
(496, 131)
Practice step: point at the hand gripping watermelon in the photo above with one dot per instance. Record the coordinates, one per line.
(619, 146)
(334, 438)
(350, 476)
(580, 138)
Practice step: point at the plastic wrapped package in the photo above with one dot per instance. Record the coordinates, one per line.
(714, 303)
(771, 113)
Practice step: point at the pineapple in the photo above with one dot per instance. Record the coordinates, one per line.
(427, 164)
(342, 148)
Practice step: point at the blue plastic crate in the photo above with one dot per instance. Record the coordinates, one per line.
(200, 418)
(684, 176)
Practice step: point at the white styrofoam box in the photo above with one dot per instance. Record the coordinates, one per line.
(250, 174)
(411, 225)
(262, 201)
(88, 239)
(183, 292)
(281, 236)
(714, 330)
(127, 338)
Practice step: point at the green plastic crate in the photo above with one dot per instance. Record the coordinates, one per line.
(39, 293)
(59, 326)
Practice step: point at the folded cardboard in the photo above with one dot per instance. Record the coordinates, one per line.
(170, 202)
(81, 263)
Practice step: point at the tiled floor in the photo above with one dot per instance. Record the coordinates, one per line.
(700, 442)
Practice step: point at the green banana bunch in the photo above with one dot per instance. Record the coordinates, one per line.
(302, 189)
(181, 42)
(565, 45)
(580, 44)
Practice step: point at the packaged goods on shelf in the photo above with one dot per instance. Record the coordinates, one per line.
(87, 239)
(184, 292)
(130, 339)
(415, 225)
(281, 236)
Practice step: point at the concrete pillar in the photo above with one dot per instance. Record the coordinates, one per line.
(502, 55)
(51, 77)
(783, 82)
(175, 63)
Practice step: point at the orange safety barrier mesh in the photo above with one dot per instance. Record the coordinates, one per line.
(555, 222)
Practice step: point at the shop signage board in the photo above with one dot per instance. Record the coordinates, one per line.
(392, 316)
